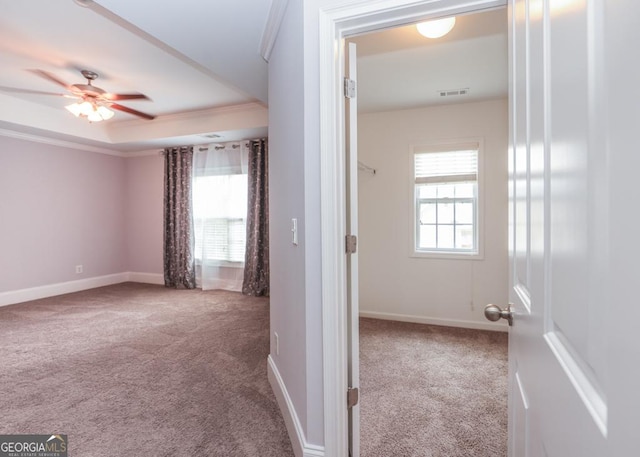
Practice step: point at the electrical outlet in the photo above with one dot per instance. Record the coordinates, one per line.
(275, 336)
(79, 269)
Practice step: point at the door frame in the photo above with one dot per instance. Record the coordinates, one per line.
(336, 22)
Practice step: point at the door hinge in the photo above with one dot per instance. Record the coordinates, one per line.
(352, 397)
(351, 243)
(349, 88)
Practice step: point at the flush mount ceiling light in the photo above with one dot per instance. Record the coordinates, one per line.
(436, 28)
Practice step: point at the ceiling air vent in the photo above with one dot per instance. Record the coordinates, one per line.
(453, 92)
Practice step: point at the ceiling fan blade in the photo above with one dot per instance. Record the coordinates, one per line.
(125, 97)
(50, 77)
(17, 90)
(132, 111)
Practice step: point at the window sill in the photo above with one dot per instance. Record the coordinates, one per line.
(220, 263)
(447, 255)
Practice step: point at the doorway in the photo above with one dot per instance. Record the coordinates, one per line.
(400, 113)
(337, 22)
(413, 92)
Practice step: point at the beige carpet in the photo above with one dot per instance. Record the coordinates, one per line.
(432, 391)
(141, 370)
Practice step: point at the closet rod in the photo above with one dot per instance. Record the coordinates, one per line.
(364, 167)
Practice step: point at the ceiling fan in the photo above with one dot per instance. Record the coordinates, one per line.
(94, 102)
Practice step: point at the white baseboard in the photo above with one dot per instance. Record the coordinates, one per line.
(51, 290)
(298, 441)
(496, 327)
(146, 278)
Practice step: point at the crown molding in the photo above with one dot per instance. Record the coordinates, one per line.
(254, 112)
(191, 115)
(146, 153)
(271, 28)
(61, 143)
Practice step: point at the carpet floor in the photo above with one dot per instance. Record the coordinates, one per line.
(432, 391)
(141, 370)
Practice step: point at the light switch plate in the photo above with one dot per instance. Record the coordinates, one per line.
(294, 231)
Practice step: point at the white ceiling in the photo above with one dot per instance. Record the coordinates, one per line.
(399, 68)
(199, 62)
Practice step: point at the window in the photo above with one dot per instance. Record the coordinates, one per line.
(220, 211)
(446, 199)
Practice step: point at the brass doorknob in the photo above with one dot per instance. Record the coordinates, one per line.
(494, 313)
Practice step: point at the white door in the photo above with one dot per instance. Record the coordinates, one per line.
(561, 357)
(351, 137)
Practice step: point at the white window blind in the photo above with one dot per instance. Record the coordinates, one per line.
(448, 166)
(220, 239)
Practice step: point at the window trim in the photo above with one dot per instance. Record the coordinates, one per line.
(444, 146)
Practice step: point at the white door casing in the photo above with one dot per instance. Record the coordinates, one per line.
(620, 311)
(337, 21)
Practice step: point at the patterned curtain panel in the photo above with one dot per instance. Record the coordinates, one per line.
(179, 263)
(256, 263)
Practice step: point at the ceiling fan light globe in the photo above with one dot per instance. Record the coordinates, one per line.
(105, 113)
(74, 109)
(94, 117)
(86, 108)
(436, 28)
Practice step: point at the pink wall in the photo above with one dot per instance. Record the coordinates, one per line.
(144, 203)
(59, 207)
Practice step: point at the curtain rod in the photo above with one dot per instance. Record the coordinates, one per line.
(221, 145)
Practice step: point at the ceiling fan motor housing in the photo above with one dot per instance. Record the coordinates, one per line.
(88, 89)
